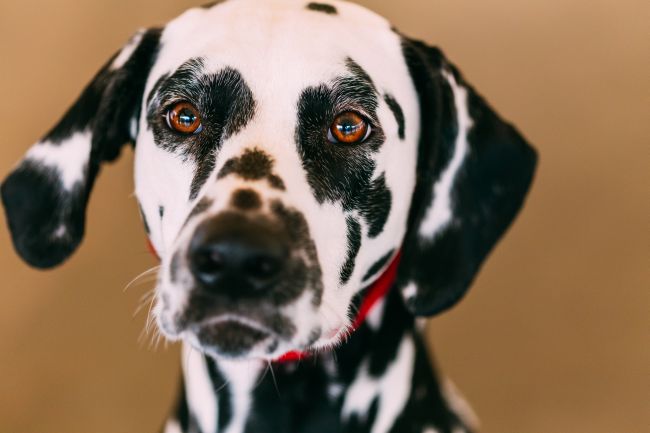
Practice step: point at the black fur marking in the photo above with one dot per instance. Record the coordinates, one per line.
(378, 265)
(224, 400)
(488, 192)
(354, 244)
(203, 205)
(161, 211)
(246, 199)
(322, 7)
(254, 164)
(47, 221)
(185, 418)
(398, 113)
(343, 173)
(276, 182)
(224, 101)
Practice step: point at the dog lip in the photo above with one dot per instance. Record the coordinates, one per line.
(225, 319)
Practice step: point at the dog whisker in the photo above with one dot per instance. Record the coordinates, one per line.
(149, 271)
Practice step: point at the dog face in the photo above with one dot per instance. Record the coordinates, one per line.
(284, 153)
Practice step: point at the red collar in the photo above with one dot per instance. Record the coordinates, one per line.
(374, 294)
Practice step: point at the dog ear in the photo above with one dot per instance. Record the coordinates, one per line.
(45, 197)
(473, 173)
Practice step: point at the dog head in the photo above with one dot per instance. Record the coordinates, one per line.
(285, 152)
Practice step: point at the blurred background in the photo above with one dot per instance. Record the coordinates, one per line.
(552, 338)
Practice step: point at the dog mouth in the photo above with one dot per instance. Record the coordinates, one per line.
(232, 336)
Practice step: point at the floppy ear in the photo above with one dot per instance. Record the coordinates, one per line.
(45, 197)
(473, 173)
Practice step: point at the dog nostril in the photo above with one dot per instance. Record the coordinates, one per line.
(263, 267)
(208, 264)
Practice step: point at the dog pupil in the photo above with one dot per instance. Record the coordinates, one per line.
(186, 117)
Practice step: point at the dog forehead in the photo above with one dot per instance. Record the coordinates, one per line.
(280, 45)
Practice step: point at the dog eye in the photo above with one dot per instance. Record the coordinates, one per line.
(349, 128)
(184, 118)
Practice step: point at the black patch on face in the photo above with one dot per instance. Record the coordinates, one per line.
(354, 243)
(203, 205)
(378, 265)
(246, 199)
(322, 7)
(398, 113)
(224, 101)
(254, 164)
(276, 182)
(340, 173)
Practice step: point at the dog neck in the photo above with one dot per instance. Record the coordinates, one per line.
(378, 377)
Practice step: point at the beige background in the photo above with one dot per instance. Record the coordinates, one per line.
(554, 335)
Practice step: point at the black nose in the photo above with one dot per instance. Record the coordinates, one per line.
(230, 254)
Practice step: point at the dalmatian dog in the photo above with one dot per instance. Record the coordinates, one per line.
(313, 182)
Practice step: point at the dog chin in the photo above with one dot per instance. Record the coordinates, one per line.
(232, 339)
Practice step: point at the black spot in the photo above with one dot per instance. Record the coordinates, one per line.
(398, 113)
(378, 265)
(276, 182)
(246, 199)
(354, 243)
(225, 103)
(322, 7)
(375, 207)
(221, 387)
(254, 164)
(161, 211)
(343, 173)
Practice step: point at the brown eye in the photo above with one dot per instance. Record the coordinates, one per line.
(184, 118)
(349, 128)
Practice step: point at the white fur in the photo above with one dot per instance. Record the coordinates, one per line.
(392, 388)
(439, 213)
(126, 52)
(459, 405)
(172, 426)
(69, 158)
(241, 377)
(198, 387)
(373, 319)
